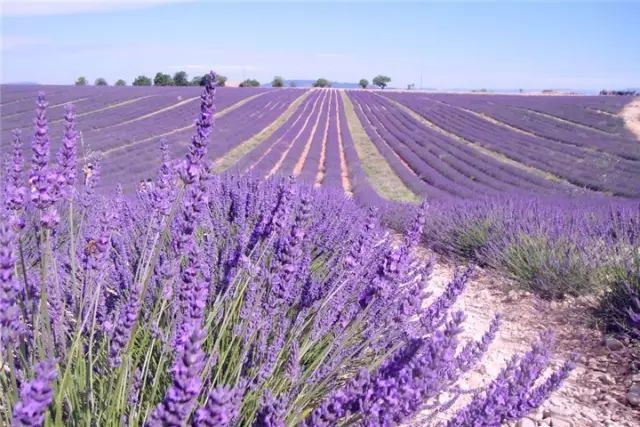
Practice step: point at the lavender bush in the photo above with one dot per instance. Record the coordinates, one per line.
(220, 300)
(552, 247)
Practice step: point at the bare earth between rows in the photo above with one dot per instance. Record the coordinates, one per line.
(595, 392)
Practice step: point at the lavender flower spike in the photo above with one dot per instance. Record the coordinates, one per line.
(175, 408)
(221, 408)
(67, 156)
(10, 325)
(200, 140)
(35, 396)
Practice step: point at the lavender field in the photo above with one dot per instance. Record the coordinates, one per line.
(243, 256)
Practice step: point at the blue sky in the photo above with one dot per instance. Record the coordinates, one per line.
(451, 45)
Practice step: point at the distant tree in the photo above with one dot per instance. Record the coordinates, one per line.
(250, 83)
(411, 86)
(293, 83)
(101, 82)
(322, 82)
(381, 81)
(363, 83)
(142, 81)
(181, 79)
(222, 80)
(278, 81)
(82, 81)
(162, 79)
(121, 82)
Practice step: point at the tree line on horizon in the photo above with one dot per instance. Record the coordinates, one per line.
(181, 78)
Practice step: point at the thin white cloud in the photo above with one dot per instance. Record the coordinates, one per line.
(236, 67)
(14, 42)
(69, 7)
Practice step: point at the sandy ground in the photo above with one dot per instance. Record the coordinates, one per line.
(631, 116)
(595, 393)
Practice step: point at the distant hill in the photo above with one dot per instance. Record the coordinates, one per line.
(309, 83)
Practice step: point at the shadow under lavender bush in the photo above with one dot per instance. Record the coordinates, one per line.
(219, 300)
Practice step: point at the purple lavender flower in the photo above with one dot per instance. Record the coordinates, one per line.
(271, 413)
(35, 396)
(67, 157)
(14, 188)
(221, 408)
(10, 289)
(179, 399)
(200, 140)
(126, 320)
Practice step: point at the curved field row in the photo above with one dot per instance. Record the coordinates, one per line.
(577, 110)
(261, 160)
(372, 171)
(232, 129)
(229, 158)
(583, 168)
(544, 127)
(447, 168)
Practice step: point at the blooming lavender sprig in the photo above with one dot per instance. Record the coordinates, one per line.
(67, 156)
(200, 140)
(35, 396)
(10, 289)
(271, 413)
(40, 143)
(45, 181)
(14, 186)
(127, 319)
(179, 399)
(511, 394)
(223, 404)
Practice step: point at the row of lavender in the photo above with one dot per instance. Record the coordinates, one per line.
(435, 165)
(214, 300)
(580, 164)
(119, 124)
(552, 238)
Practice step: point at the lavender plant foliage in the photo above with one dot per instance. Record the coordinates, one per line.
(222, 300)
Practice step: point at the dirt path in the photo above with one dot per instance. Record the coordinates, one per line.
(631, 116)
(594, 394)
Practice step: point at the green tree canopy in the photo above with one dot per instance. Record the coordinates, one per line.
(142, 81)
(82, 81)
(121, 82)
(101, 82)
(278, 81)
(181, 78)
(162, 79)
(363, 83)
(322, 82)
(250, 83)
(222, 80)
(381, 81)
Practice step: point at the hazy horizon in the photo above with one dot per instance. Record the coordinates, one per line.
(497, 46)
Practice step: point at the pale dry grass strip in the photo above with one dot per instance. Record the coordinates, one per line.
(153, 113)
(486, 151)
(217, 115)
(49, 106)
(322, 167)
(231, 158)
(631, 116)
(107, 107)
(282, 137)
(568, 122)
(275, 168)
(344, 167)
(297, 169)
(381, 176)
